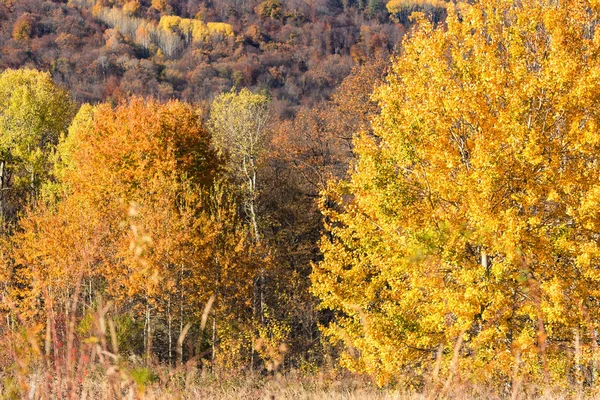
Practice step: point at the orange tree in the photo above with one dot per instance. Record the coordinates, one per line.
(471, 215)
(129, 218)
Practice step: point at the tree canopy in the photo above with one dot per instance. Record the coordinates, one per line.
(471, 213)
(34, 112)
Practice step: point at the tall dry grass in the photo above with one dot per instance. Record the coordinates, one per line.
(97, 371)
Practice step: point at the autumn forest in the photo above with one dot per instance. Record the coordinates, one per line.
(299, 199)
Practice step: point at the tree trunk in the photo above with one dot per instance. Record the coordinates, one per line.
(214, 335)
(148, 333)
(169, 327)
(180, 354)
(2, 190)
(484, 259)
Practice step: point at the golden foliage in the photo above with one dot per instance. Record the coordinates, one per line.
(133, 216)
(472, 211)
(395, 6)
(34, 112)
(131, 7)
(194, 29)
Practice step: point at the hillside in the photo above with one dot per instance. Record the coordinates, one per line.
(106, 50)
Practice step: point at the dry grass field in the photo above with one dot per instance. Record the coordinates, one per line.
(191, 383)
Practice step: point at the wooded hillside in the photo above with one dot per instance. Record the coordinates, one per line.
(404, 193)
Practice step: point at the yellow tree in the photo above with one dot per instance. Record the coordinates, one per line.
(471, 216)
(34, 112)
(401, 10)
(239, 123)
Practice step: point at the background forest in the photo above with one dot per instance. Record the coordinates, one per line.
(299, 198)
